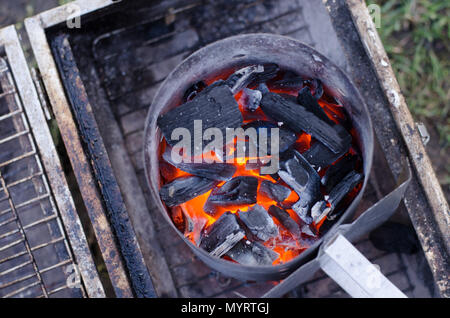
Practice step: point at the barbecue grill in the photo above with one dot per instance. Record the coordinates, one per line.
(99, 66)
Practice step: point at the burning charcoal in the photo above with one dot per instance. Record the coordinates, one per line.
(275, 177)
(289, 97)
(257, 164)
(305, 99)
(335, 197)
(251, 74)
(290, 74)
(298, 119)
(253, 165)
(263, 88)
(214, 171)
(317, 86)
(252, 254)
(307, 231)
(295, 83)
(286, 205)
(286, 137)
(270, 71)
(213, 85)
(259, 222)
(184, 189)
(187, 224)
(337, 172)
(198, 225)
(243, 77)
(239, 190)
(250, 99)
(193, 91)
(342, 132)
(319, 211)
(263, 167)
(222, 235)
(276, 192)
(350, 181)
(304, 180)
(179, 219)
(168, 171)
(286, 221)
(320, 156)
(215, 107)
(302, 211)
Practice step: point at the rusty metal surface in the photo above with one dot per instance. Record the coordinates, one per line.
(117, 213)
(79, 161)
(425, 202)
(433, 228)
(52, 164)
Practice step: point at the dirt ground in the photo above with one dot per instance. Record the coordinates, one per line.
(15, 11)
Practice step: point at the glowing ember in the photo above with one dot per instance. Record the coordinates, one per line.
(281, 245)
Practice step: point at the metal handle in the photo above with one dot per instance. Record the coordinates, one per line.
(355, 273)
(366, 222)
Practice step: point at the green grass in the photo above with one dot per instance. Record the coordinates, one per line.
(416, 36)
(61, 2)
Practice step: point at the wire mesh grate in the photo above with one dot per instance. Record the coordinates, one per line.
(35, 257)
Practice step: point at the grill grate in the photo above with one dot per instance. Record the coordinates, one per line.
(35, 258)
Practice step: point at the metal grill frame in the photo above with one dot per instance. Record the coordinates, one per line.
(424, 178)
(51, 170)
(112, 226)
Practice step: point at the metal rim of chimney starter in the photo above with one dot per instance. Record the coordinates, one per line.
(241, 50)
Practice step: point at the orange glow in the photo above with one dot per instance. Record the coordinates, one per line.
(286, 255)
(194, 208)
(303, 142)
(333, 111)
(285, 244)
(318, 225)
